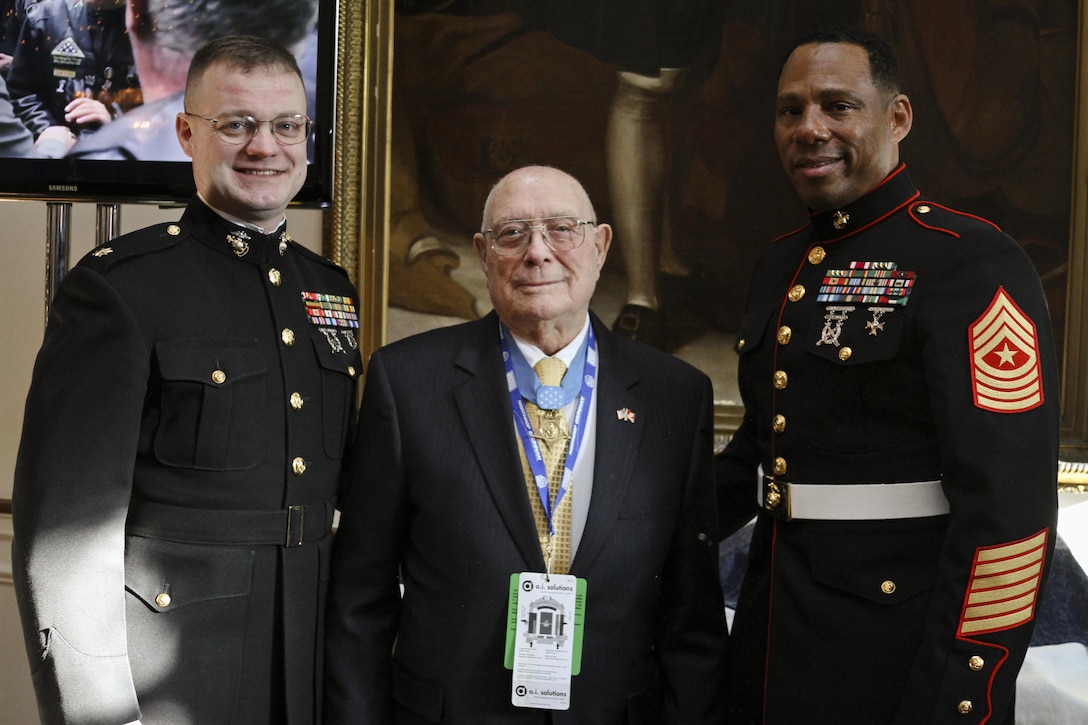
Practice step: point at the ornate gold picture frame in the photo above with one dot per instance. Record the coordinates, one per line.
(358, 223)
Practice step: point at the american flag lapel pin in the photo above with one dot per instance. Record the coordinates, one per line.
(626, 414)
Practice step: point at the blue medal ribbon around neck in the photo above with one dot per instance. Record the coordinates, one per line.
(548, 397)
(582, 385)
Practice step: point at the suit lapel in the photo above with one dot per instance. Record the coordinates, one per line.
(484, 405)
(617, 445)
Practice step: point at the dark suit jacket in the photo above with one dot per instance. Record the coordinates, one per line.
(440, 498)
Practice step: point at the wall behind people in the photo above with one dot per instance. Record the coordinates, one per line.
(22, 325)
(992, 138)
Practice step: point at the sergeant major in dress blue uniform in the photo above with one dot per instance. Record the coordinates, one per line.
(901, 429)
(184, 434)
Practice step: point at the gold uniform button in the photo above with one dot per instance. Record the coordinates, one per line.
(288, 336)
(784, 335)
(797, 292)
(298, 466)
(740, 344)
(781, 380)
(845, 353)
(351, 370)
(163, 599)
(296, 401)
(816, 255)
(965, 707)
(976, 663)
(219, 377)
(888, 587)
(274, 277)
(924, 209)
(780, 466)
(173, 230)
(779, 423)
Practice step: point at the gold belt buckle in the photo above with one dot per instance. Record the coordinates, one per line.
(776, 497)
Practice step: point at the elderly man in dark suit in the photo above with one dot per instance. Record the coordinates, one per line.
(484, 497)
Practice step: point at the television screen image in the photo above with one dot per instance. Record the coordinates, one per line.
(90, 90)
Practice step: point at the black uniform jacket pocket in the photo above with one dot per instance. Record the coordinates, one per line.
(188, 610)
(185, 573)
(212, 404)
(869, 333)
(884, 568)
(340, 362)
(752, 329)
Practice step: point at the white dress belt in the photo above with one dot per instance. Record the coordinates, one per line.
(851, 502)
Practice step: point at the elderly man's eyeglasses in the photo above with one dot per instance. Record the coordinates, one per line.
(561, 233)
(238, 129)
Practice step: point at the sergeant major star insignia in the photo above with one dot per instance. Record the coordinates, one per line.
(1005, 373)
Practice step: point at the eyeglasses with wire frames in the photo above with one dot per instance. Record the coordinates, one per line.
(239, 129)
(561, 233)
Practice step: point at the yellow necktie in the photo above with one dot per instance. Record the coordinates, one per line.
(550, 428)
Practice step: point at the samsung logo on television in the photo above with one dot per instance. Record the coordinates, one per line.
(63, 187)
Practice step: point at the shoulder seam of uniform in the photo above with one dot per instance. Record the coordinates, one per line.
(933, 227)
(796, 231)
(147, 244)
(320, 258)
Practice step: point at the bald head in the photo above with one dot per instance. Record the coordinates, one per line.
(542, 294)
(526, 179)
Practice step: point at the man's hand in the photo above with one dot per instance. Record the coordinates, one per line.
(85, 111)
(55, 141)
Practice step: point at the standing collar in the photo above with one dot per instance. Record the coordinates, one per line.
(235, 220)
(894, 192)
(245, 243)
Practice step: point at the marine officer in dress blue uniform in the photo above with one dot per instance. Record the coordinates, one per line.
(184, 437)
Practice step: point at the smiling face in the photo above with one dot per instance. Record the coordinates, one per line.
(255, 180)
(837, 132)
(542, 295)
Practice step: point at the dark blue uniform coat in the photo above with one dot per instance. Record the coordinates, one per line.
(893, 341)
(179, 464)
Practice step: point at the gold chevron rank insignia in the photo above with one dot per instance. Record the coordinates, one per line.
(1005, 372)
(1004, 586)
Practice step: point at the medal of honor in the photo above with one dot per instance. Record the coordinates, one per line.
(552, 428)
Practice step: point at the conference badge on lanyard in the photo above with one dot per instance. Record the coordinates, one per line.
(544, 638)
